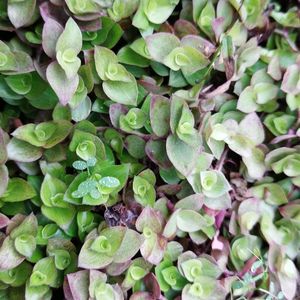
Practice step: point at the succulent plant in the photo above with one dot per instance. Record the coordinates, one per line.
(149, 149)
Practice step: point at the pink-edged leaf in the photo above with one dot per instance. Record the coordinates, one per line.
(152, 285)
(64, 88)
(150, 218)
(156, 151)
(290, 81)
(4, 220)
(152, 87)
(49, 10)
(9, 257)
(290, 210)
(199, 43)
(221, 89)
(130, 245)
(115, 269)
(183, 27)
(218, 26)
(77, 285)
(161, 44)
(20, 13)
(14, 222)
(95, 275)
(252, 128)
(153, 249)
(288, 286)
(51, 32)
(141, 296)
(91, 25)
(115, 111)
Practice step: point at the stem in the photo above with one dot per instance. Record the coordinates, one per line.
(267, 292)
(221, 161)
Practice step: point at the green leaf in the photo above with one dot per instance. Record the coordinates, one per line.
(17, 276)
(103, 58)
(79, 165)
(127, 55)
(50, 189)
(3, 179)
(134, 119)
(68, 46)
(190, 221)
(122, 9)
(62, 259)
(82, 143)
(91, 259)
(18, 190)
(182, 155)
(206, 18)
(25, 244)
(122, 92)
(20, 84)
(158, 11)
(135, 146)
(130, 245)
(68, 196)
(108, 184)
(160, 45)
(119, 171)
(82, 7)
(38, 292)
(187, 59)
(160, 115)
(24, 225)
(144, 192)
(214, 184)
(272, 193)
(45, 134)
(44, 273)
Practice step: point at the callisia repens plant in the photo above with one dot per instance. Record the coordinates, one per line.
(149, 149)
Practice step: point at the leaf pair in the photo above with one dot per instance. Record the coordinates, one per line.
(167, 49)
(118, 84)
(20, 242)
(64, 45)
(143, 188)
(115, 244)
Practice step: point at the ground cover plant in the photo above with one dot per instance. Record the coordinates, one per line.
(149, 149)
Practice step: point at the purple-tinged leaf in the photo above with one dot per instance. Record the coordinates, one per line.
(51, 32)
(77, 285)
(4, 220)
(64, 88)
(156, 151)
(183, 28)
(161, 44)
(9, 257)
(21, 151)
(115, 111)
(20, 13)
(199, 43)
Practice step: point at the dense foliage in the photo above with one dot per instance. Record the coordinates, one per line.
(149, 149)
